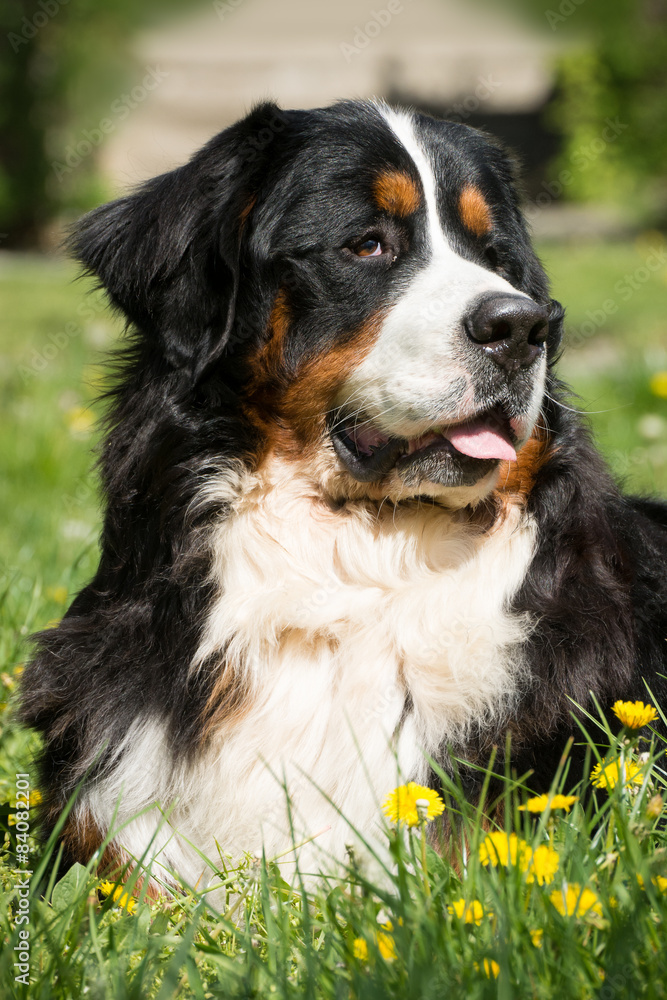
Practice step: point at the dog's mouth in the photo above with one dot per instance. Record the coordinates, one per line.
(450, 454)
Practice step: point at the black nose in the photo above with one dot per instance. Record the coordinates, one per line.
(511, 329)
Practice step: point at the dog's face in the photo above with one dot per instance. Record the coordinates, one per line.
(364, 280)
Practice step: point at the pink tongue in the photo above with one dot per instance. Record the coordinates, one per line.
(479, 440)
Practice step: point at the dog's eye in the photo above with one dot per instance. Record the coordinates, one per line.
(491, 257)
(369, 248)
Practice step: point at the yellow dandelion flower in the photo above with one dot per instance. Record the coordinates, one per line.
(470, 913)
(607, 774)
(573, 901)
(491, 968)
(659, 881)
(658, 384)
(119, 896)
(385, 922)
(360, 949)
(400, 806)
(500, 848)
(540, 803)
(80, 420)
(536, 937)
(543, 865)
(386, 947)
(634, 714)
(385, 943)
(57, 594)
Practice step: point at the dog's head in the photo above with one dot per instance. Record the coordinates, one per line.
(360, 277)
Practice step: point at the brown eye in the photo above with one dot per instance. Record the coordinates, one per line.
(369, 248)
(491, 257)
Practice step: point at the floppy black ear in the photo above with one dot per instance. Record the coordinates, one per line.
(168, 255)
(556, 319)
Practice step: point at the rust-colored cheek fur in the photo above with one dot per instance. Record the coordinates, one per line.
(516, 479)
(82, 837)
(474, 211)
(396, 192)
(290, 407)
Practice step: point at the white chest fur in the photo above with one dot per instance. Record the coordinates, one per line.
(360, 640)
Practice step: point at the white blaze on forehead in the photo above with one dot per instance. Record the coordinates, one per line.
(452, 270)
(418, 371)
(402, 127)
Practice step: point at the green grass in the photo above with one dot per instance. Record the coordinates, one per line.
(611, 369)
(279, 941)
(468, 922)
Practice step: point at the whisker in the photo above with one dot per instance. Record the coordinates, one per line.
(369, 420)
(383, 501)
(573, 409)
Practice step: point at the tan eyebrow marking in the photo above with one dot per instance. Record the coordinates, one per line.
(396, 192)
(474, 210)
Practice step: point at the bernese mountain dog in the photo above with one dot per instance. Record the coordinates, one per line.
(351, 525)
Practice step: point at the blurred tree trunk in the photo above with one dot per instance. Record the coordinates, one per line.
(29, 85)
(61, 61)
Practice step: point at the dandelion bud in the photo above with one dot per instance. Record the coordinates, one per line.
(403, 804)
(422, 809)
(654, 807)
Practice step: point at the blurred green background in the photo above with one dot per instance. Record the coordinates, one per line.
(577, 88)
(60, 71)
